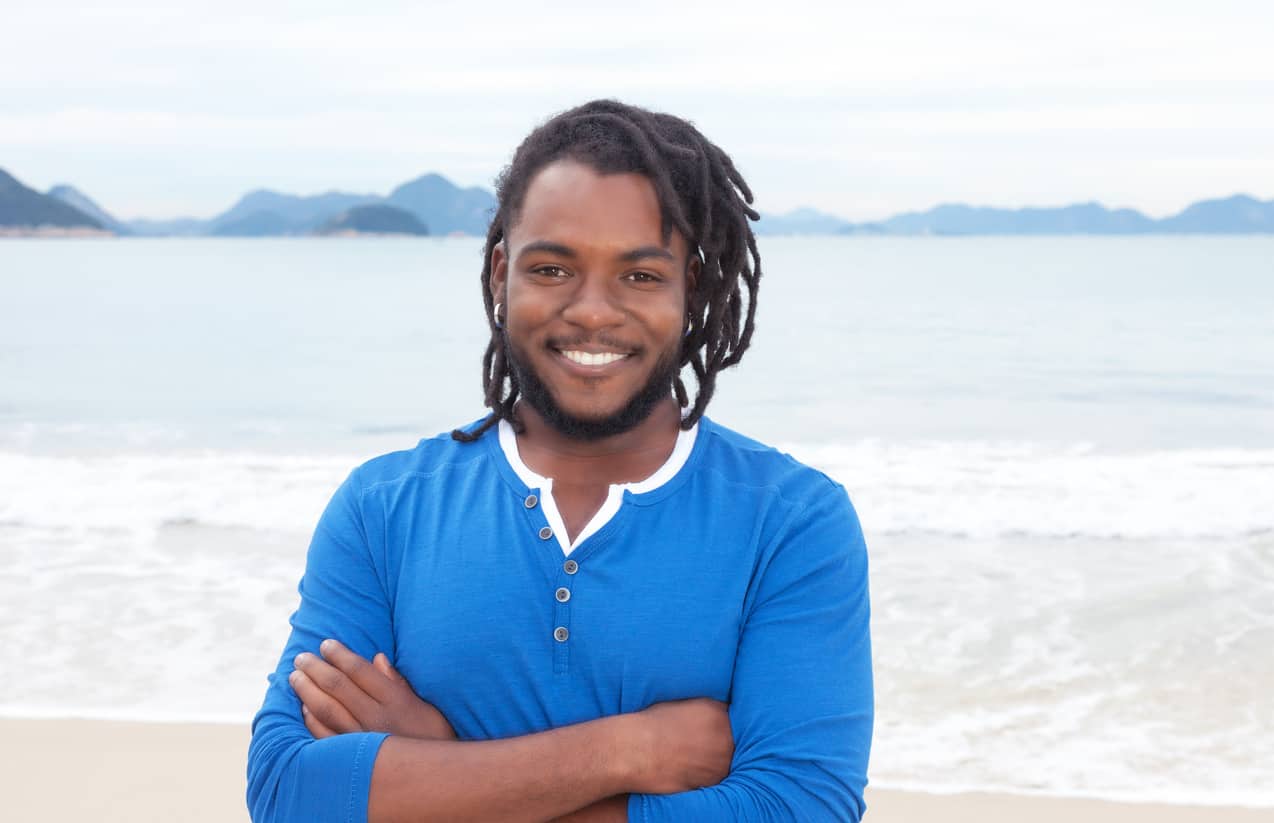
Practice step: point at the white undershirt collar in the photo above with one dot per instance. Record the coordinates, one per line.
(614, 496)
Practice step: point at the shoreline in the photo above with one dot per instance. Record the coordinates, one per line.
(890, 806)
(142, 771)
(54, 231)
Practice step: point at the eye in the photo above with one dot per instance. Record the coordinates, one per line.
(549, 271)
(644, 277)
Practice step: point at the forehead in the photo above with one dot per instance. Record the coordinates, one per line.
(568, 201)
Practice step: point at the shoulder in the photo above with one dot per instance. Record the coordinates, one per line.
(431, 456)
(750, 463)
(809, 537)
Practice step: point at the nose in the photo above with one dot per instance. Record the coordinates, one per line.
(592, 305)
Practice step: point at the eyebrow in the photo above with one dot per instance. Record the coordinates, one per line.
(631, 256)
(546, 246)
(644, 252)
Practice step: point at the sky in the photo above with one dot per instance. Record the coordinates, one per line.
(166, 109)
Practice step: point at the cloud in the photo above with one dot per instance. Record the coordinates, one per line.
(807, 96)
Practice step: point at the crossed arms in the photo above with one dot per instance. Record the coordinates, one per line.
(799, 717)
(670, 747)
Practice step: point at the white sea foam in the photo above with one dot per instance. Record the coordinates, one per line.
(973, 490)
(143, 492)
(989, 490)
(1126, 669)
(180, 622)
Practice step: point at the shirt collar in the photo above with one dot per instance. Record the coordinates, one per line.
(680, 453)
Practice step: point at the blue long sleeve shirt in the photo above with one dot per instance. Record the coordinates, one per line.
(742, 578)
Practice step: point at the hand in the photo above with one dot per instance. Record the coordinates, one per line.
(682, 745)
(342, 692)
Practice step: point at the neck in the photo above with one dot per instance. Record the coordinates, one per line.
(623, 458)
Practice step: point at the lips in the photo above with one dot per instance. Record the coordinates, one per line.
(592, 357)
(585, 358)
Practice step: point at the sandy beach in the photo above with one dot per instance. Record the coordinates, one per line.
(71, 770)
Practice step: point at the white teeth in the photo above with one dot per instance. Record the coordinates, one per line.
(589, 359)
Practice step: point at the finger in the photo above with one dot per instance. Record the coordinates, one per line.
(361, 672)
(315, 725)
(382, 664)
(340, 686)
(326, 709)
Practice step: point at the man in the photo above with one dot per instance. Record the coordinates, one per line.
(600, 605)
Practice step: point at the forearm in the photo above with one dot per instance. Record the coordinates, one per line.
(536, 777)
(611, 810)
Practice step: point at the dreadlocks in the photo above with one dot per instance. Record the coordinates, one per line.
(701, 195)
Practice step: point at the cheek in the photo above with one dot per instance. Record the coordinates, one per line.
(673, 313)
(668, 328)
(526, 309)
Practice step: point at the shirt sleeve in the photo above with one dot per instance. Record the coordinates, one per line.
(292, 776)
(801, 701)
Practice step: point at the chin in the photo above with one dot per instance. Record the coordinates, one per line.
(592, 424)
(588, 421)
(590, 415)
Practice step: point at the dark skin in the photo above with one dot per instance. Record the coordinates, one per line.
(576, 278)
(580, 481)
(584, 273)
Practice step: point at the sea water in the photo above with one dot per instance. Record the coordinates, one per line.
(1061, 451)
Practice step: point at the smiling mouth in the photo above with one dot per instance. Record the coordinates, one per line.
(585, 358)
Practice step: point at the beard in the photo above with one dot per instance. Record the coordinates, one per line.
(538, 396)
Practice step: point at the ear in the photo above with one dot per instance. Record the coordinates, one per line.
(499, 272)
(692, 271)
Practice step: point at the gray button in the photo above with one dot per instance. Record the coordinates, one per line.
(560, 634)
(530, 501)
(563, 594)
(546, 533)
(570, 567)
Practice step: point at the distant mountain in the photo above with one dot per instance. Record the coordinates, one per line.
(26, 208)
(445, 207)
(254, 224)
(802, 221)
(78, 200)
(374, 219)
(263, 212)
(432, 199)
(1084, 218)
(1238, 214)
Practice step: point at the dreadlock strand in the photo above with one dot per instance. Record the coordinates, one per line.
(679, 389)
(701, 194)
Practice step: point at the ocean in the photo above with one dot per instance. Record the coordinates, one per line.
(1061, 450)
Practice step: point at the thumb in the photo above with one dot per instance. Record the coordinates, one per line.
(381, 662)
